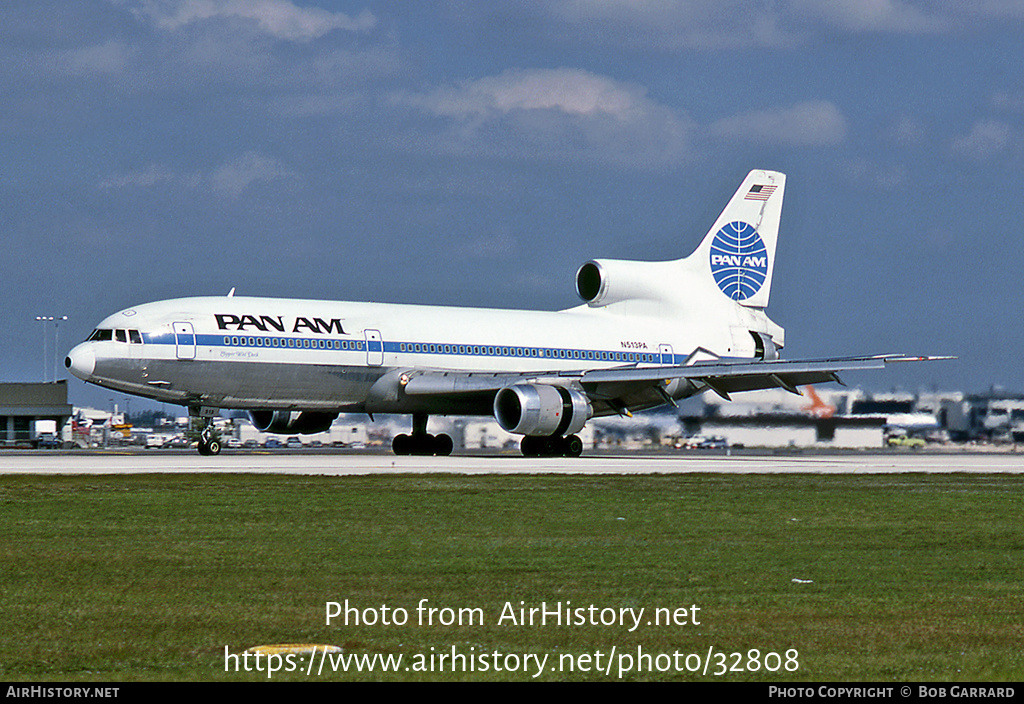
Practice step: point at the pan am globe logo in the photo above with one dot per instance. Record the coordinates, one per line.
(739, 260)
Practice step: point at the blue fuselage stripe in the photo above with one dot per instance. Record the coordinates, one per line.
(413, 348)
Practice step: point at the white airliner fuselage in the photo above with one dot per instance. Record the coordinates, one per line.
(648, 333)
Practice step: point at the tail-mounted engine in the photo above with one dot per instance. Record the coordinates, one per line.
(285, 422)
(764, 346)
(602, 282)
(541, 409)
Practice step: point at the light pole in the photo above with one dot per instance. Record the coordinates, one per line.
(56, 343)
(56, 332)
(43, 319)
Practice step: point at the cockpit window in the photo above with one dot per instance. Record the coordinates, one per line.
(121, 335)
(101, 335)
(135, 337)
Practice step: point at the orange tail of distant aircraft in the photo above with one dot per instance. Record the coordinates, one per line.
(818, 408)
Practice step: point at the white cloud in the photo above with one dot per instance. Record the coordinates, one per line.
(493, 245)
(252, 167)
(986, 138)
(560, 112)
(897, 16)
(906, 131)
(999, 9)
(570, 113)
(570, 91)
(111, 57)
(672, 25)
(231, 179)
(278, 18)
(150, 177)
(1011, 101)
(881, 176)
(807, 124)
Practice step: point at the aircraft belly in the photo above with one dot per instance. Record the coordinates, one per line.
(477, 404)
(273, 385)
(252, 385)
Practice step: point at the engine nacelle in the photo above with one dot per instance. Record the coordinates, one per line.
(286, 422)
(541, 409)
(601, 282)
(765, 346)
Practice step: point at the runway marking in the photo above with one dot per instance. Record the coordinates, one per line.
(28, 462)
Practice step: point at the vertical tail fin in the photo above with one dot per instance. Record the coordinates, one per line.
(738, 253)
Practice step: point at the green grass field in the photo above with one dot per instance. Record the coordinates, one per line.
(898, 577)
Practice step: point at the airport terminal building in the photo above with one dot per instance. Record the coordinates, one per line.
(23, 405)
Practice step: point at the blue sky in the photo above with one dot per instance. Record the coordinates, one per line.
(470, 152)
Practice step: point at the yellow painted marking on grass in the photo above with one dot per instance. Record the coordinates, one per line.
(293, 649)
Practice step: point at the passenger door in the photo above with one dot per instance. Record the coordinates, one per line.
(667, 357)
(185, 340)
(374, 348)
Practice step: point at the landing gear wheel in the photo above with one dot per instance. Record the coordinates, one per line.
(551, 446)
(210, 447)
(209, 440)
(572, 446)
(423, 445)
(443, 445)
(402, 445)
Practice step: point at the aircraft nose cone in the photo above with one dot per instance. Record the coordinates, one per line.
(81, 361)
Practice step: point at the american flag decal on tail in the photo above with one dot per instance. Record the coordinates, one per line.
(759, 192)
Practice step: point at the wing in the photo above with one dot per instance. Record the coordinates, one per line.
(621, 388)
(727, 377)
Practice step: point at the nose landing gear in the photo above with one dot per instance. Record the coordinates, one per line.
(201, 422)
(209, 442)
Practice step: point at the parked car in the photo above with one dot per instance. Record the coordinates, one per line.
(703, 442)
(294, 441)
(49, 442)
(905, 441)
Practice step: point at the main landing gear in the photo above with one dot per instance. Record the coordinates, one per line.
(421, 442)
(551, 446)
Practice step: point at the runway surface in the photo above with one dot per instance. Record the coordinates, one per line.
(346, 463)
